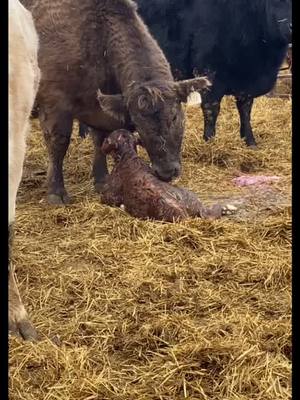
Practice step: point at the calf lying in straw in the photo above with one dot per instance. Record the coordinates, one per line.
(133, 186)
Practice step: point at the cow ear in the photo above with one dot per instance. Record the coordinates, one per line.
(185, 88)
(113, 105)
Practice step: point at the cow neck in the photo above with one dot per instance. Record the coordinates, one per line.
(135, 57)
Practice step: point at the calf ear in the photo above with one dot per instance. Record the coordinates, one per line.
(185, 88)
(113, 105)
(108, 145)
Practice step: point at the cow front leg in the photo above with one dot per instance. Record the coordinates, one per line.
(100, 170)
(18, 321)
(244, 105)
(210, 113)
(57, 130)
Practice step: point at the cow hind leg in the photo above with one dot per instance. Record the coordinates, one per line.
(57, 129)
(211, 111)
(19, 323)
(99, 170)
(244, 105)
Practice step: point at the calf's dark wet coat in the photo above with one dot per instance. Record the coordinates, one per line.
(133, 185)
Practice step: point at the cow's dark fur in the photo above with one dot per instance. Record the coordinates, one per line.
(133, 184)
(91, 44)
(240, 43)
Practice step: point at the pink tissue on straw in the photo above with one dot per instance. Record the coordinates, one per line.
(246, 180)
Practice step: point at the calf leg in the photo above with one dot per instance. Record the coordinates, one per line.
(112, 193)
(211, 111)
(57, 128)
(100, 170)
(244, 106)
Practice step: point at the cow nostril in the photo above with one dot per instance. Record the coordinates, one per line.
(164, 175)
(167, 174)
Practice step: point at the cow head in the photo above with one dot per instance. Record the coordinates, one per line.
(280, 19)
(155, 109)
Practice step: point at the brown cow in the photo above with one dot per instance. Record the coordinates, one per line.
(91, 44)
(133, 185)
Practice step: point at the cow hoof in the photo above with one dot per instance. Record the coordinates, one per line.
(99, 187)
(229, 209)
(25, 330)
(252, 146)
(250, 143)
(208, 138)
(56, 199)
(18, 322)
(22, 327)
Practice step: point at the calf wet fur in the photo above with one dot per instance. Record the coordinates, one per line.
(133, 186)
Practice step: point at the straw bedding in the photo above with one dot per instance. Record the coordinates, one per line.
(129, 309)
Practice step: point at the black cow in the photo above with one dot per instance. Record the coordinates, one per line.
(240, 44)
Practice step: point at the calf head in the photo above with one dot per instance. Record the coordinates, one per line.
(155, 109)
(119, 142)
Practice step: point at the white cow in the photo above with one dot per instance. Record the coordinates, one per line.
(24, 77)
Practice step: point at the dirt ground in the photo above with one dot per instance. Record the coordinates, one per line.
(142, 310)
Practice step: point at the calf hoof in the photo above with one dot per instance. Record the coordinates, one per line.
(20, 326)
(99, 187)
(229, 209)
(58, 199)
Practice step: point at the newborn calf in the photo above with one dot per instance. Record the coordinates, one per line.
(133, 185)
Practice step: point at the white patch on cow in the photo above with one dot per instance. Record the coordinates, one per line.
(194, 98)
(24, 77)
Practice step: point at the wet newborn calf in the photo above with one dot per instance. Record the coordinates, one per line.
(134, 185)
